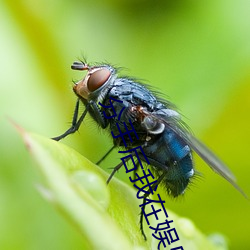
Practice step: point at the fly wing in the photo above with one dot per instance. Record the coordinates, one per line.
(175, 124)
(208, 156)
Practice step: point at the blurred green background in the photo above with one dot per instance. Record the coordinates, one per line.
(195, 52)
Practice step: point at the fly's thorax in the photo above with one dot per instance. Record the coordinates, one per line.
(94, 85)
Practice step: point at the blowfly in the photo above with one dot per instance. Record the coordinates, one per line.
(164, 137)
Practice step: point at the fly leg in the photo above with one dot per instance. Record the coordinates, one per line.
(136, 170)
(144, 201)
(105, 156)
(75, 123)
(115, 170)
(119, 166)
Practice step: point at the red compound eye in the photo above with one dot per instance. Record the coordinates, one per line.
(97, 79)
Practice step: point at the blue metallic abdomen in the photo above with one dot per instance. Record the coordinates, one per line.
(171, 157)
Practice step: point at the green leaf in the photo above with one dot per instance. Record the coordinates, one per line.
(106, 215)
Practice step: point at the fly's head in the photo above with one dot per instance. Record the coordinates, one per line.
(96, 79)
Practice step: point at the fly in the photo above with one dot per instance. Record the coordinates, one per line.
(164, 137)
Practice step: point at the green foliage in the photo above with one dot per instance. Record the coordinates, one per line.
(106, 216)
(194, 52)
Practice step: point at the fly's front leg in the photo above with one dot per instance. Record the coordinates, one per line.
(75, 123)
(98, 114)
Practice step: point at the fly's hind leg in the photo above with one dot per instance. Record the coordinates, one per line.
(146, 194)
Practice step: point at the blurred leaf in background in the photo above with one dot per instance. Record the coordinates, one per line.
(196, 53)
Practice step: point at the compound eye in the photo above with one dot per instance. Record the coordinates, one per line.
(97, 79)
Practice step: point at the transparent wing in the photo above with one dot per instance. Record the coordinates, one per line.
(212, 160)
(175, 124)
